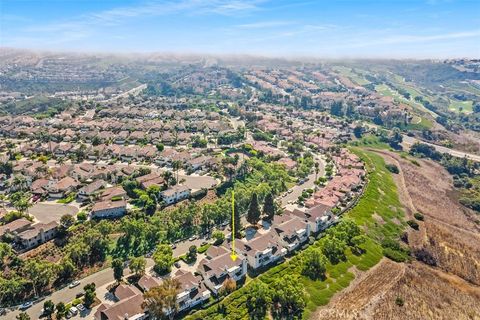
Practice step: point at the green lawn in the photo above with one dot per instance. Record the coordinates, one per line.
(380, 198)
(349, 73)
(460, 106)
(421, 122)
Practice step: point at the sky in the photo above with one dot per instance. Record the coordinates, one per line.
(279, 28)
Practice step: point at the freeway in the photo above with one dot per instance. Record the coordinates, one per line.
(125, 94)
(408, 141)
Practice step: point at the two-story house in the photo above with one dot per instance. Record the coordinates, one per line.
(318, 217)
(192, 290)
(291, 231)
(37, 234)
(218, 266)
(109, 209)
(262, 250)
(175, 194)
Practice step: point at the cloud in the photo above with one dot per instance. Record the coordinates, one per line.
(264, 24)
(405, 39)
(119, 15)
(89, 24)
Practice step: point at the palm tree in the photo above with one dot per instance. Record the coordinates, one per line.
(177, 164)
(19, 182)
(168, 176)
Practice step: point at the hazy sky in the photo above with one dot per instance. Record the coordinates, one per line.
(324, 28)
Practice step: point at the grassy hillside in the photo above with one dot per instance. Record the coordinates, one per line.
(379, 202)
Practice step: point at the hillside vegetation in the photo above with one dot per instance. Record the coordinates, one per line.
(378, 213)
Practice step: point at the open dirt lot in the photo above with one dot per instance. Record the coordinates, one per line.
(448, 287)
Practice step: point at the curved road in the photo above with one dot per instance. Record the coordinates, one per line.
(308, 184)
(408, 141)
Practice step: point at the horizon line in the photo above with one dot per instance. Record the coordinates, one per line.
(199, 54)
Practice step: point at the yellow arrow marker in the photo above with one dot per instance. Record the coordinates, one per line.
(233, 255)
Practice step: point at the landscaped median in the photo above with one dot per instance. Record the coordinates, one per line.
(378, 213)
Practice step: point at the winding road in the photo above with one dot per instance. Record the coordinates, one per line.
(409, 141)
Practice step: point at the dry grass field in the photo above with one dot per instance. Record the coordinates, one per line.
(426, 293)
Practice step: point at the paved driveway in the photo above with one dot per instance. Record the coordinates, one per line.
(48, 212)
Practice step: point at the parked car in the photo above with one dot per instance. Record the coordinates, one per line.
(174, 246)
(73, 311)
(74, 284)
(81, 307)
(177, 265)
(192, 238)
(26, 305)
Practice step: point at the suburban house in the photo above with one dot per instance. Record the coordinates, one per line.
(89, 190)
(175, 194)
(59, 189)
(128, 305)
(198, 163)
(262, 250)
(288, 163)
(291, 231)
(113, 192)
(318, 217)
(121, 137)
(109, 209)
(218, 266)
(151, 179)
(15, 226)
(147, 282)
(192, 290)
(37, 234)
(39, 186)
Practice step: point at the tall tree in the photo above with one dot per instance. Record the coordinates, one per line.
(228, 286)
(137, 265)
(163, 258)
(258, 300)
(40, 273)
(269, 207)
(89, 296)
(236, 221)
(333, 249)
(48, 309)
(177, 165)
(161, 301)
(61, 310)
(117, 265)
(253, 214)
(314, 264)
(288, 297)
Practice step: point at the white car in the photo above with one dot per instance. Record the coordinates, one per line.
(26, 305)
(74, 284)
(81, 307)
(73, 311)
